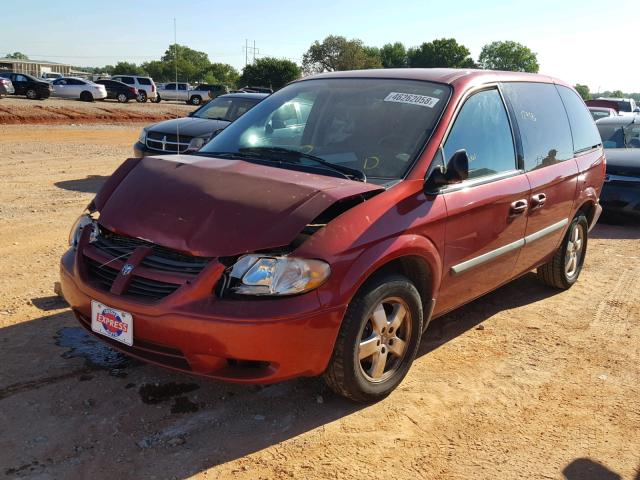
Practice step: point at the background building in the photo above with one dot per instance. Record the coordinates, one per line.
(33, 67)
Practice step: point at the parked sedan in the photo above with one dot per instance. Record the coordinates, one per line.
(69, 87)
(29, 86)
(621, 192)
(118, 90)
(6, 87)
(192, 132)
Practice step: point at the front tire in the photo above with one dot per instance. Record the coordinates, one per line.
(122, 98)
(86, 97)
(378, 340)
(195, 100)
(31, 94)
(564, 268)
(158, 99)
(142, 96)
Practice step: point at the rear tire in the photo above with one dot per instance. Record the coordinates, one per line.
(86, 97)
(158, 99)
(195, 100)
(122, 98)
(564, 268)
(378, 340)
(31, 94)
(142, 96)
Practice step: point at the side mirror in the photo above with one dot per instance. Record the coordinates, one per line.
(457, 171)
(190, 114)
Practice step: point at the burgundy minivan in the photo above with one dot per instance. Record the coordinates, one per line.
(322, 231)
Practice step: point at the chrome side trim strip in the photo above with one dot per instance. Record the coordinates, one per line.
(545, 231)
(509, 247)
(486, 257)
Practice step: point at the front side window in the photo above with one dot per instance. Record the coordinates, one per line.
(583, 129)
(170, 86)
(144, 81)
(543, 123)
(375, 126)
(482, 128)
(128, 80)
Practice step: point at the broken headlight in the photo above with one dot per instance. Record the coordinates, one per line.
(264, 275)
(83, 221)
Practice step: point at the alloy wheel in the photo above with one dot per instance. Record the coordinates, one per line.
(384, 338)
(574, 251)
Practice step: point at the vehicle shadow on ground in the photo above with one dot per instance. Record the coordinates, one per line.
(91, 184)
(616, 230)
(587, 469)
(522, 291)
(122, 416)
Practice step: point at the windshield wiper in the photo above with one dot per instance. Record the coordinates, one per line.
(216, 118)
(288, 153)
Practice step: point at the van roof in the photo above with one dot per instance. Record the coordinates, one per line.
(451, 76)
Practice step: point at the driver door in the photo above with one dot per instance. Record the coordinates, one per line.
(486, 217)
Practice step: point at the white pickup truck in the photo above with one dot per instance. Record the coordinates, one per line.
(185, 92)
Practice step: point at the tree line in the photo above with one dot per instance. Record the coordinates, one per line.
(334, 53)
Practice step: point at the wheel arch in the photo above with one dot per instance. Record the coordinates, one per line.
(412, 256)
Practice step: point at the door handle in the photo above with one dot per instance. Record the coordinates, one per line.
(537, 201)
(519, 206)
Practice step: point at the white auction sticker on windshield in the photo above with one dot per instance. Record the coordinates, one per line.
(412, 98)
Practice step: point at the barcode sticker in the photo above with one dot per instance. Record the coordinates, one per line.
(412, 98)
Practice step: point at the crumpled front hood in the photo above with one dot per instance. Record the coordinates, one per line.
(216, 207)
(188, 126)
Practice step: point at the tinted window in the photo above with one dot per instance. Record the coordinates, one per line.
(75, 81)
(584, 131)
(620, 136)
(21, 78)
(144, 81)
(170, 86)
(182, 86)
(482, 129)
(127, 80)
(544, 128)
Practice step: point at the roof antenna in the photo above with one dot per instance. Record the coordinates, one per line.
(175, 62)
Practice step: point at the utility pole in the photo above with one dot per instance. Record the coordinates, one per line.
(253, 49)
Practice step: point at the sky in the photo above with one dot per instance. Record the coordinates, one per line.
(587, 42)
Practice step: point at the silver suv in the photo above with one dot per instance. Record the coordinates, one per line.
(145, 86)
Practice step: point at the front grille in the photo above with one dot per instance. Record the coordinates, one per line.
(170, 269)
(164, 142)
(161, 258)
(139, 286)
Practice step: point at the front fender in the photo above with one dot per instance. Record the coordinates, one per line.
(375, 257)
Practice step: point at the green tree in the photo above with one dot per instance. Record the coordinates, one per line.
(192, 65)
(222, 73)
(158, 70)
(583, 90)
(338, 53)
(618, 94)
(444, 53)
(510, 56)
(17, 56)
(270, 72)
(123, 68)
(393, 55)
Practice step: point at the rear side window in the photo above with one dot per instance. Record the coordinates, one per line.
(128, 80)
(482, 128)
(182, 86)
(544, 128)
(144, 81)
(170, 86)
(583, 128)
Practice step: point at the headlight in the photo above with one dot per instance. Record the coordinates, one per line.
(83, 221)
(264, 275)
(143, 136)
(197, 143)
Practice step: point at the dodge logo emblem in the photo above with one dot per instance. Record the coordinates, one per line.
(126, 270)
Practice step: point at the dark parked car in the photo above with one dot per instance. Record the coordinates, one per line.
(621, 192)
(118, 90)
(192, 132)
(6, 87)
(29, 86)
(320, 232)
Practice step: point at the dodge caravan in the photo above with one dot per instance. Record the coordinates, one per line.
(322, 231)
